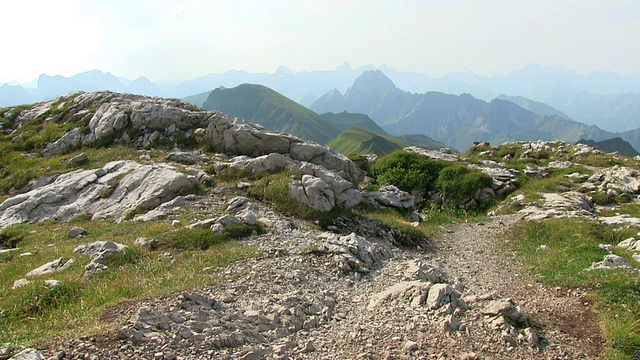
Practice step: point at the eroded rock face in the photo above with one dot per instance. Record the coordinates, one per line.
(618, 178)
(115, 191)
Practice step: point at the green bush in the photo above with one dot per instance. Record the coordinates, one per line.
(407, 171)
(461, 182)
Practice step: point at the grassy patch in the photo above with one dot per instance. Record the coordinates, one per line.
(435, 219)
(18, 168)
(572, 246)
(32, 313)
(630, 209)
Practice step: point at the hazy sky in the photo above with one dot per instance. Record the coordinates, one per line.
(177, 40)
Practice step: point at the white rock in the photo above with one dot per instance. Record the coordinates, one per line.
(55, 265)
(20, 283)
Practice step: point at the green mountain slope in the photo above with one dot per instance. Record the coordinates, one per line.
(422, 140)
(345, 120)
(360, 141)
(612, 145)
(261, 105)
(197, 99)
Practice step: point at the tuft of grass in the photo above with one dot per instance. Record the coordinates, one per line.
(572, 246)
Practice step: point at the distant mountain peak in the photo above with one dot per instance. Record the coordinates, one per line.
(283, 70)
(373, 79)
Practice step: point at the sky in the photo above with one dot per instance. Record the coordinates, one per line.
(171, 40)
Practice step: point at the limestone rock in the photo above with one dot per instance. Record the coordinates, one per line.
(619, 178)
(182, 157)
(20, 283)
(78, 159)
(100, 252)
(611, 261)
(314, 192)
(76, 232)
(65, 144)
(52, 284)
(568, 204)
(111, 192)
(390, 195)
(507, 309)
(55, 265)
(439, 294)
(28, 354)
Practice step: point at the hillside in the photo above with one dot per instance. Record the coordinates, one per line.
(612, 145)
(535, 107)
(198, 99)
(355, 140)
(134, 227)
(261, 105)
(344, 120)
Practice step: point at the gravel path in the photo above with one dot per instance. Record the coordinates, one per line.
(295, 303)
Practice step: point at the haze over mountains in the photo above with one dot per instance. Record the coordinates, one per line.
(457, 109)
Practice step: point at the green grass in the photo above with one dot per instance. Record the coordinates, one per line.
(630, 209)
(436, 219)
(33, 313)
(18, 168)
(572, 247)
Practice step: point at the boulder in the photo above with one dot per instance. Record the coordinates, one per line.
(55, 265)
(390, 195)
(76, 232)
(182, 157)
(313, 192)
(610, 261)
(65, 144)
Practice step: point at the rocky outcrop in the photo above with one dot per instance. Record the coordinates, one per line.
(568, 204)
(615, 180)
(142, 121)
(116, 191)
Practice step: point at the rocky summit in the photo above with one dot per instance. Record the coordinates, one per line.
(148, 228)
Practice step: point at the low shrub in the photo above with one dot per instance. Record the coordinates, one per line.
(462, 182)
(407, 171)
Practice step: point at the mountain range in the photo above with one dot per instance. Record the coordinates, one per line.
(459, 120)
(608, 100)
(345, 132)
